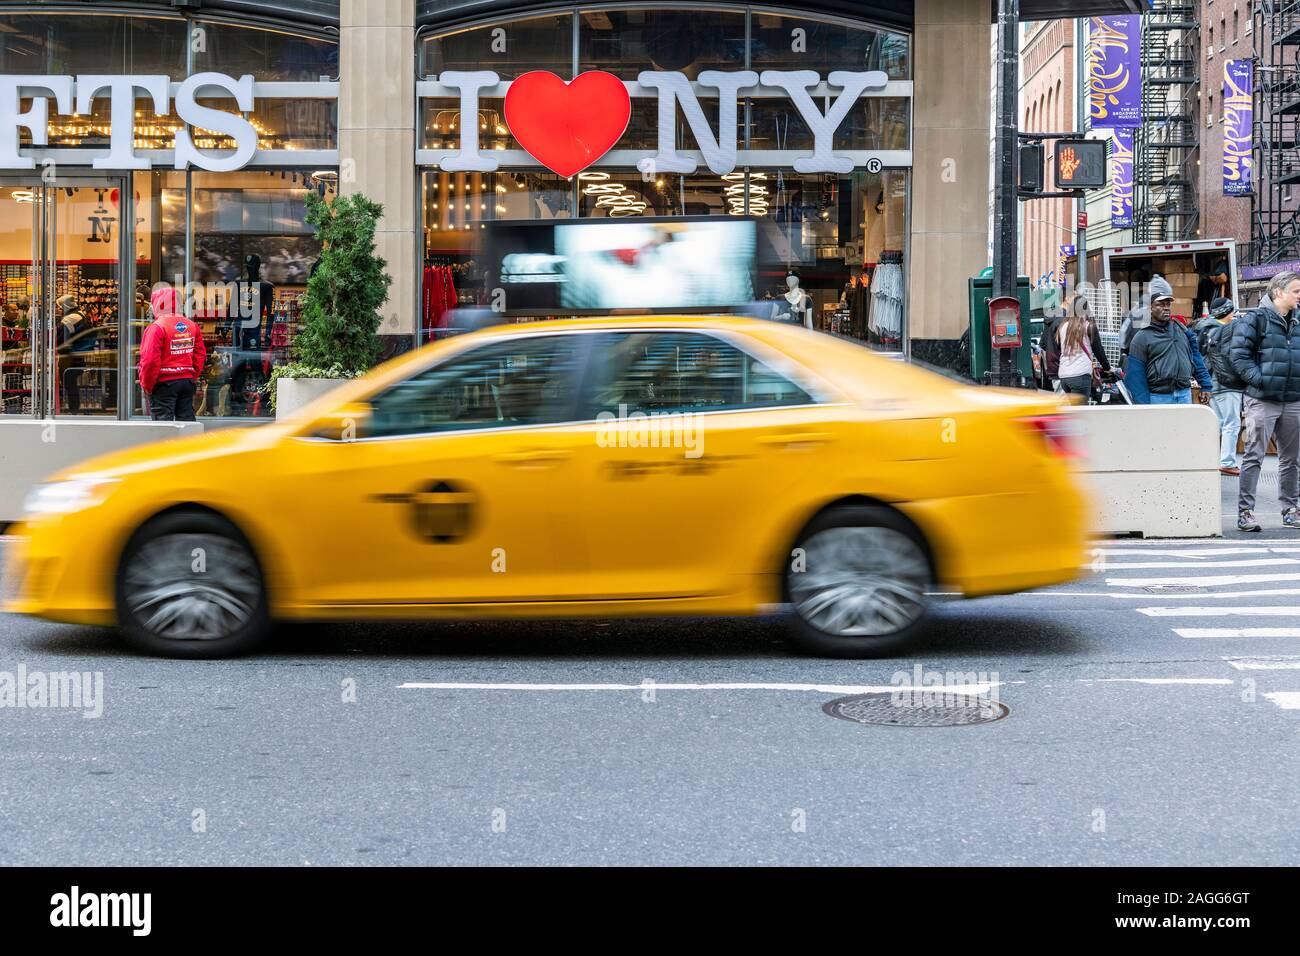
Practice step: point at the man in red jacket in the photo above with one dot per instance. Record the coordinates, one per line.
(172, 357)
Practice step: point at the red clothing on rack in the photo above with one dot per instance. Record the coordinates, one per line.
(438, 295)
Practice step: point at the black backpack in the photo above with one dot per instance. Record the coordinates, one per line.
(1216, 348)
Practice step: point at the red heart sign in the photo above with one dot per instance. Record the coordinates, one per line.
(567, 126)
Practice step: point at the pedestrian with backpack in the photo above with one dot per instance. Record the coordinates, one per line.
(1214, 335)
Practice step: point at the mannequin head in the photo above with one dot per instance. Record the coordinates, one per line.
(791, 281)
(253, 266)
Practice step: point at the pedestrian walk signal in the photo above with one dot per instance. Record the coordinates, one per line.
(1029, 164)
(1080, 163)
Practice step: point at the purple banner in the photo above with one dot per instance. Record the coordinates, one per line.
(1065, 253)
(1121, 179)
(1238, 118)
(1114, 72)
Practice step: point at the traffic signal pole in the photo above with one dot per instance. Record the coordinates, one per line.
(1005, 203)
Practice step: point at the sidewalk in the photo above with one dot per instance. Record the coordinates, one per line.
(1267, 509)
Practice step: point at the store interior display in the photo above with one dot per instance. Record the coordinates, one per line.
(94, 289)
(887, 292)
(798, 307)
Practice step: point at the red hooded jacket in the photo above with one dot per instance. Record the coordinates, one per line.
(173, 345)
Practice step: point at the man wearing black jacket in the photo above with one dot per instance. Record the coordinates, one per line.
(1265, 352)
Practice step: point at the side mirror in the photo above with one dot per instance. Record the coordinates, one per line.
(345, 423)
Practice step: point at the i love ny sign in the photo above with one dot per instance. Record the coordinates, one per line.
(569, 125)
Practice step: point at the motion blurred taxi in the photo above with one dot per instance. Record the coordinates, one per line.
(582, 468)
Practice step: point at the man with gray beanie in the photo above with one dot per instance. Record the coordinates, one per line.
(1162, 354)
(1265, 351)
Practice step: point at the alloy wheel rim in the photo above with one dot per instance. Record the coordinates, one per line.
(192, 586)
(860, 581)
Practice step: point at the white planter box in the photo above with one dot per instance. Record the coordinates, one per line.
(292, 394)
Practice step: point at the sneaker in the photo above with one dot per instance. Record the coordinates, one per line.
(1291, 518)
(1246, 521)
(1234, 472)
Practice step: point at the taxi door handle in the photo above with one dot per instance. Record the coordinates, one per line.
(533, 456)
(795, 438)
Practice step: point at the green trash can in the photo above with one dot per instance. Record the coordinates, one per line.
(981, 340)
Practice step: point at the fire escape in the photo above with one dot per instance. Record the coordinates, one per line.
(1275, 226)
(1166, 146)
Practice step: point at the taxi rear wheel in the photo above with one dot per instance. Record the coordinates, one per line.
(856, 581)
(189, 585)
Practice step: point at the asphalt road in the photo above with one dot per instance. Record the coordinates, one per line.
(1153, 712)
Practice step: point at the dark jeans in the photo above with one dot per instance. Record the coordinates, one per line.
(72, 390)
(172, 401)
(1077, 385)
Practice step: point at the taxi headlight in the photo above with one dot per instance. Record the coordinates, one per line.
(61, 497)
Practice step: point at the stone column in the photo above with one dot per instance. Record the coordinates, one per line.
(377, 138)
(950, 171)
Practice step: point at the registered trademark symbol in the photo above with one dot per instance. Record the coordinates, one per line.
(874, 165)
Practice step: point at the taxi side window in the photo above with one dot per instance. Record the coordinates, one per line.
(682, 371)
(525, 381)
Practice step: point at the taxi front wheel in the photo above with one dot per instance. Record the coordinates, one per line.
(189, 585)
(856, 580)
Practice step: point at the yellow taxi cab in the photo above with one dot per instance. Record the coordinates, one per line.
(578, 468)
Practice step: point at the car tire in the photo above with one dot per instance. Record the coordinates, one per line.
(189, 585)
(856, 582)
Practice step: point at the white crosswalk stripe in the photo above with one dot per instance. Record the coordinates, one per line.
(1198, 589)
(1286, 699)
(1247, 563)
(1275, 662)
(1264, 611)
(1206, 581)
(1203, 632)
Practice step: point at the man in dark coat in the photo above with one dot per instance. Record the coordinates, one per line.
(1265, 351)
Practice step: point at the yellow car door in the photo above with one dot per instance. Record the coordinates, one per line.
(701, 448)
(457, 488)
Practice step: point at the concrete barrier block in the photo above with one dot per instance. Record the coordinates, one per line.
(1152, 469)
(32, 449)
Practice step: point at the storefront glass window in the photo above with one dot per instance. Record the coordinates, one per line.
(800, 43)
(253, 253)
(625, 42)
(63, 43)
(458, 209)
(873, 123)
(541, 43)
(844, 235)
(280, 124)
(845, 238)
(268, 55)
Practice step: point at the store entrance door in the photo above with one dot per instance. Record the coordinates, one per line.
(63, 308)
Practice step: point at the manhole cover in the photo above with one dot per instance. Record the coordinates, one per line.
(935, 709)
(1173, 589)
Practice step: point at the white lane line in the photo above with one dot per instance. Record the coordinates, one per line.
(1139, 544)
(1207, 596)
(1208, 552)
(1157, 680)
(1286, 699)
(1206, 581)
(979, 688)
(1267, 610)
(1237, 631)
(1271, 662)
(1248, 563)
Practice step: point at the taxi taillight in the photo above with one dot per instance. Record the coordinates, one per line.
(1059, 432)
